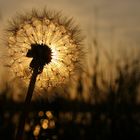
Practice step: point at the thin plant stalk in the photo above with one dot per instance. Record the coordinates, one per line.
(63, 55)
(20, 130)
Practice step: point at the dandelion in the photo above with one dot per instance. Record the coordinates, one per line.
(47, 42)
(44, 49)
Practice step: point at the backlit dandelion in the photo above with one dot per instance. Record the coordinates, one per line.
(44, 49)
(45, 40)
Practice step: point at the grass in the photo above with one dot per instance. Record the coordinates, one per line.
(115, 116)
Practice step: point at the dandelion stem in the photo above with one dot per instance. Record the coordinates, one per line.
(19, 135)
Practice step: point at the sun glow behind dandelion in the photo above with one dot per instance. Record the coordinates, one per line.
(49, 30)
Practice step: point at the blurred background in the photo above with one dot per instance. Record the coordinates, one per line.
(104, 101)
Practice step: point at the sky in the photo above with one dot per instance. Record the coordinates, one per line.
(116, 21)
(112, 22)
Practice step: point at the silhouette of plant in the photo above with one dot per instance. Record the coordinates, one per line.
(44, 49)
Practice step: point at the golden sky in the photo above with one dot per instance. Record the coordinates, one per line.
(112, 22)
(116, 20)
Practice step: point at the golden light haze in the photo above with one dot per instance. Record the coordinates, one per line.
(114, 24)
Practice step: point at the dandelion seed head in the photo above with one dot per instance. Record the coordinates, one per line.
(48, 39)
